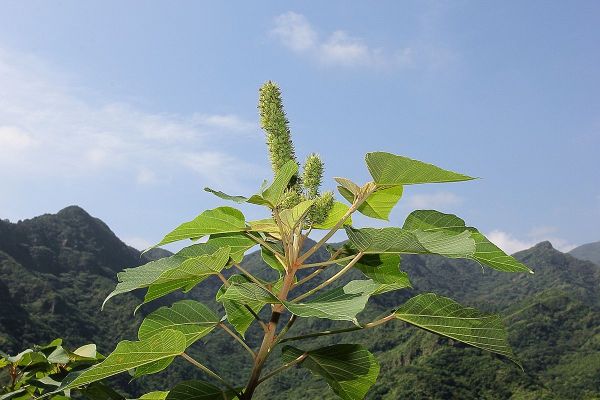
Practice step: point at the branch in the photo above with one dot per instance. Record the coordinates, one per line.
(357, 203)
(258, 240)
(332, 279)
(283, 368)
(324, 263)
(209, 372)
(334, 332)
(239, 339)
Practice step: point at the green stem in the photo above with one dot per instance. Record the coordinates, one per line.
(330, 280)
(239, 339)
(335, 332)
(258, 240)
(209, 372)
(324, 263)
(283, 368)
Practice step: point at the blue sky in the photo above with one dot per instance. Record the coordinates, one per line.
(129, 109)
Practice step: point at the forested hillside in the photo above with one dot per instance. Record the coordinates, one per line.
(55, 271)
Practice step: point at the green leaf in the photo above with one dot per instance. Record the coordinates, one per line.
(128, 355)
(157, 395)
(486, 252)
(266, 225)
(347, 184)
(238, 244)
(274, 193)
(271, 260)
(225, 196)
(218, 220)
(291, 217)
(382, 269)
(237, 314)
(379, 204)
(188, 274)
(341, 304)
(153, 367)
(198, 390)
(465, 324)
(189, 317)
(349, 369)
(390, 169)
(335, 214)
(396, 240)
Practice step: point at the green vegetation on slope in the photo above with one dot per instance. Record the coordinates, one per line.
(55, 270)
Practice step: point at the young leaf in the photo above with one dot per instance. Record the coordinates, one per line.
(128, 355)
(390, 169)
(486, 252)
(291, 217)
(198, 390)
(347, 184)
(190, 317)
(396, 240)
(274, 193)
(335, 214)
(218, 220)
(349, 369)
(225, 196)
(448, 318)
(271, 260)
(379, 204)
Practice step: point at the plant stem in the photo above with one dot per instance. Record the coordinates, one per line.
(251, 277)
(330, 280)
(334, 332)
(239, 339)
(357, 202)
(324, 263)
(310, 276)
(209, 372)
(258, 240)
(283, 368)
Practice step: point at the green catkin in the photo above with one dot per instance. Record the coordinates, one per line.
(312, 176)
(275, 124)
(321, 208)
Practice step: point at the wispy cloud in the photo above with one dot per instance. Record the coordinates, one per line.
(51, 128)
(338, 48)
(437, 200)
(511, 244)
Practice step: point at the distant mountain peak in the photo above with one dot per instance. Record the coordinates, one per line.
(73, 210)
(545, 245)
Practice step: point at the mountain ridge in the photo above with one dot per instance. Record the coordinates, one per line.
(552, 316)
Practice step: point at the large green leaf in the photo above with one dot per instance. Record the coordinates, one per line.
(188, 274)
(129, 355)
(156, 395)
(336, 213)
(237, 242)
(390, 169)
(210, 222)
(397, 240)
(339, 304)
(379, 204)
(486, 252)
(349, 369)
(198, 390)
(342, 304)
(190, 317)
(448, 318)
(141, 277)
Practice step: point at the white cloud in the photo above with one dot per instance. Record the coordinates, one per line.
(296, 33)
(511, 244)
(438, 200)
(51, 128)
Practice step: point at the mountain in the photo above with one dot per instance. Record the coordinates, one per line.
(55, 270)
(589, 252)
